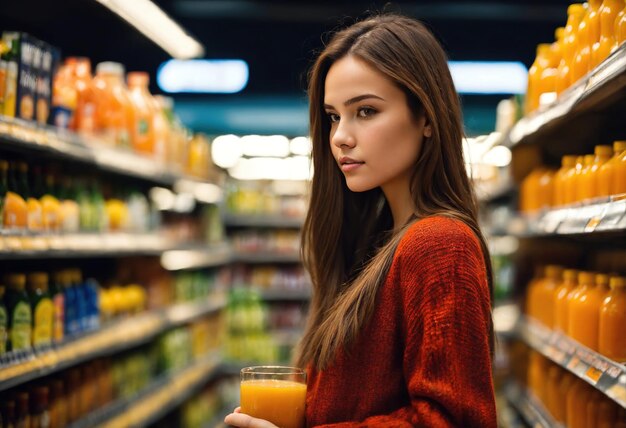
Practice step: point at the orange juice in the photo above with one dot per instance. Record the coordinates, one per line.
(605, 172)
(602, 155)
(533, 291)
(561, 300)
(546, 84)
(594, 25)
(567, 381)
(608, 13)
(575, 13)
(582, 56)
(546, 295)
(618, 183)
(612, 340)
(620, 27)
(142, 134)
(537, 374)
(593, 408)
(542, 61)
(568, 163)
(278, 401)
(114, 111)
(84, 116)
(553, 395)
(583, 179)
(577, 399)
(584, 315)
(607, 414)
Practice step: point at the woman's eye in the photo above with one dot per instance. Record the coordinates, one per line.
(366, 112)
(333, 117)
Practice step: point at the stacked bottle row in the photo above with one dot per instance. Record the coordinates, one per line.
(272, 278)
(593, 30)
(580, 180)
(72, 394)
(274, 241)
(260, 199)
(588, 307)
(37, 200)
(570, 400)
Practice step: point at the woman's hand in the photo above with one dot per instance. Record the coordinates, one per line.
(238, 419)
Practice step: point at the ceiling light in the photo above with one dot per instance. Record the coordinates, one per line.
(270, 145)
(489, 77)
(212, 76)
(226, 150)
(149, 19)
(300, 146)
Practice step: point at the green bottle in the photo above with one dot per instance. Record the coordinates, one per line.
(42, 308)
(20, 314)
(3, 322)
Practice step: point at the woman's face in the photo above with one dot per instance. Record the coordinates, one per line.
(374, 137)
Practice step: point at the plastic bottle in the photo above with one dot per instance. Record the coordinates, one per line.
(561, 300)
(568, 163)
(546, 84)
(618, 183)
(4, 322)
(594, 26)
(537, 375)
(575, 13)
(70, 211)
(4, 188)
(542, 61)
(532, 292)
(607, 414)
(114, 111)
(64, 96)
(20, 314)
(577, 398)
(583, 180)
(553, 396)
(58, 301)
(608, 13)
(605, 172)
(15, 208)
(10, 92)
(581, 62)
(50, 206)
(602, 155)
(85, 114)
(42, 308)
(567, 381)
(70, 296)
(584, 314)
(546, 294)
(620, 28)
(593, 408)
(612, 341)
(571, 181)
(142, 135)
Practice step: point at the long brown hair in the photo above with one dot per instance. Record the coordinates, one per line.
(347, 245)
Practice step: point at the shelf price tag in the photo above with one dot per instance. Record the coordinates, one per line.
(551, 221)
(574, 222)
(593, 374)
(612, 215)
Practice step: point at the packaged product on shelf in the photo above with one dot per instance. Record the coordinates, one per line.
(42, 308)
(49, 58)
(608, 14)
(564, 80)
(70, 210)
(620, 29)
(39, 403)
(58, 301)
(12, 64)
(15, 211)
(20, 313)
(84, 120)
(3, 322)
(114, 111)
(35, 211)
(50, 205)
(142, 135)
(584, 312)
(4, 49)
(64, 96)
(611, 339)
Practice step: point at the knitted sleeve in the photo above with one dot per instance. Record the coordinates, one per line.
(446, 311)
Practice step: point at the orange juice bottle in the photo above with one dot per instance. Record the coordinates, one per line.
(114, 111)
(85, 114)
(63, 95)
(35, 211)
(161, 128)
(575, 14)
(583, 180)
(584, 315)
(608, 13)
(561, 299)
(15, 210)
(612, 340)
(581, 61)
(569, 181)
(546, 84)
(594, 26)
(546, 295)
(568, 163)
(51, 207)
(567, 381)
(577, 399)
(532, 292)
(620, 28)
(553, 396)
(593, 408)
(142, 135)
(537, 374)
(607, 414)
(542, 61)
(602, 155)
(605, 172)
(618, 183)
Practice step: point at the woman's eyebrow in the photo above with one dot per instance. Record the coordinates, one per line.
(356, 100)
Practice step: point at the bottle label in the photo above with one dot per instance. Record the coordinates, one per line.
(44, 318)
(21, 330)
(3, 330)
(59, 309)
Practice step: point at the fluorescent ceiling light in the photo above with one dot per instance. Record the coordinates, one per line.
(218, 76)
(265, 168)
(262, 145)
(489, 77)
(300, 146)
(226, 150)
(149, 19)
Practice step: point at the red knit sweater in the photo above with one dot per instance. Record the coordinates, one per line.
(424, 359)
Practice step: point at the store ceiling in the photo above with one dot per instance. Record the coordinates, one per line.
(278, 38)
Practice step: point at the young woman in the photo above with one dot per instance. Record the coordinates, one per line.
(399, 331)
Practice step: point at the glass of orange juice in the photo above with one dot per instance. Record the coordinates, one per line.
(274, 393)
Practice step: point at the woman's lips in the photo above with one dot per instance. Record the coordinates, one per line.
(348, 164)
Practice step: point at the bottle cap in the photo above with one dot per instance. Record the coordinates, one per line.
(602, 279)
(16, 280)
(619, 146)
(589, 159)
(568, 161)
(554, 272)
(110, 67)
(586, 278)
(137, 78)
(38, 280)
(570, 275)
(617, 281)
(603, 151)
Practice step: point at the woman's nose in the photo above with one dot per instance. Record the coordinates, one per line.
(342, 136)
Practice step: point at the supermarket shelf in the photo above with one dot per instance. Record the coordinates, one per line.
(529, 407)
(495, 192)
(283, 295)
(197, 257)
(124, 334)
(266, 257)
(159, 398)
(605, 375)
(603, 86)
(600, 218)
(31, 138)
(257, 220)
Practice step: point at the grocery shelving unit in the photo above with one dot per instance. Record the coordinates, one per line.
(262, 220)
(532, 411)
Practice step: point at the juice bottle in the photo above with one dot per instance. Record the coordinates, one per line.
(607, 414)
(594, 26)
(10, 91)
(571, 181)
(561, 300)
(606, 171)
(593, 408)
(612, 341)
(537, 373)
(620, 28)
(58, 301)
(602, 155)
(608, 13)
(161, 128)
(58, 405)
(533, 291)
(618, 183)
(4, 49)
(575, 13)
(35, 210)
(577, 398)
(64, 96)
(542, 61)
(85, 114)
(70, 298)
(567, 381)
(114, 111)
(4, 322)
(584, 313)
(546, 84)
(20, 314)
(553, 395)
(583, 179)
(70, 211)
(546, 295)
(15, 211)
(42, 308)
(51, 207)
(142, 131)
(581, 61)
(4, 188)
(568, 163)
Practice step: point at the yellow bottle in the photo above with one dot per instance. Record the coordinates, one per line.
(542, 61)
(546, 295)
(620, 28)
(593, 408)
(608, 13)
(575, 13)
(582, 56)
(537, 374)
(607, 414)
(602, 155)
(612, 340)
(532, 292)
(561, 300)
(568, 162)
(606, 171)
(583, 180)
(618, 183)
(577, 398)
(553, 396)
(570, 181)
(584, 314)
(567, 381)
(546, 85)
